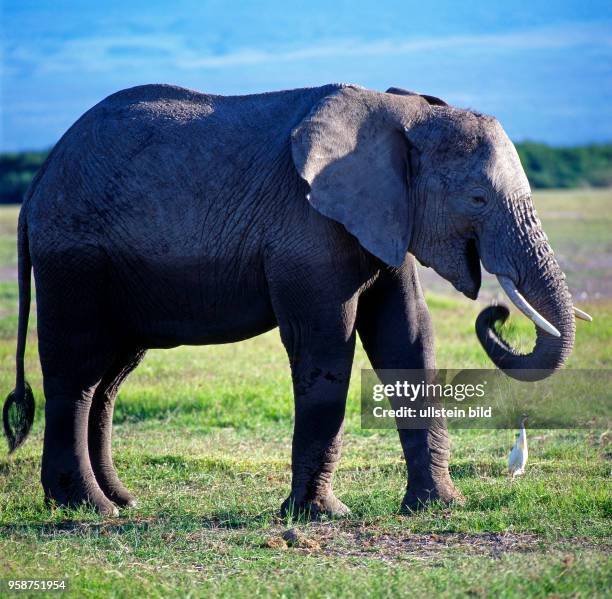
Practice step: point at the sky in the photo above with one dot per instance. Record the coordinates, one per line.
(542, 67)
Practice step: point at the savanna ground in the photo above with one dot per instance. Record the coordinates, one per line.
(203, 437)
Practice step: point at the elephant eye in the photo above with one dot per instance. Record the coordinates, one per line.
(478, 200)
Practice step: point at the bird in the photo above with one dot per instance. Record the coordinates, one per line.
(517, 460)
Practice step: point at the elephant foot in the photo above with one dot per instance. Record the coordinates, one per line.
(122, 498)
(328, 506)
(421, 498)
(116, 492)
(102, 505)
(69, 489)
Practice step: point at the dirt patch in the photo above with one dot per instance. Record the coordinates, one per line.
(359, 543)
(325, 539)
(427, 546)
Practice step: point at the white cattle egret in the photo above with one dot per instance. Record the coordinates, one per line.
(517, 459)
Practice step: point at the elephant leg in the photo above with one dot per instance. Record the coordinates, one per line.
(76, 347)
(320, 343)
(396, 331)
(67, 475)
(320, 383)
(100, 428)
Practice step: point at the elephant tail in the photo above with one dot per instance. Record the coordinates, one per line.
(18, 412)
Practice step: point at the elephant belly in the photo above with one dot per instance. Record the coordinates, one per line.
(236, 325)
(191, 305)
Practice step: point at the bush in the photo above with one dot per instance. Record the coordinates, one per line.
(583, 166)
(16, 171)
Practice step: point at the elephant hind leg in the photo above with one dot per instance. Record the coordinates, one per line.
(77, 345)
(67, 476)
(320, 347)
(100, 428)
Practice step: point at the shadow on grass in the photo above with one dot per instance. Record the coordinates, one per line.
(220, 521)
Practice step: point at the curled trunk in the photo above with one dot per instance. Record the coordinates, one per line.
(543, 286)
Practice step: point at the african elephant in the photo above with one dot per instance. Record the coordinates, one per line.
(165, 216)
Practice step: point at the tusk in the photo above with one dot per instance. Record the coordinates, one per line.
(523, 305)
(582, 315)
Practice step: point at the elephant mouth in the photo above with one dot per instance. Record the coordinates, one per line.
(469, 278)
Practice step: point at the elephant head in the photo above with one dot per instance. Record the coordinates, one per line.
(406, 173)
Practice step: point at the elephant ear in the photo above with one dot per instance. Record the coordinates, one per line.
(354, 152)
(432, 100)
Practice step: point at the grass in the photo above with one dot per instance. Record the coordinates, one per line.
(203, 438)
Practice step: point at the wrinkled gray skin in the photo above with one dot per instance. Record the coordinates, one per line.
(167, 217)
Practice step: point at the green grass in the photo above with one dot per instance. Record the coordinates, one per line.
(203, 438)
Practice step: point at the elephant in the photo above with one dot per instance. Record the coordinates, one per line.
(166, 217)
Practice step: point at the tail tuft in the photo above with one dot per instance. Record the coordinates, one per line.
(18, 415)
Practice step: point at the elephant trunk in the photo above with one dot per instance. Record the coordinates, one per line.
(542, 293)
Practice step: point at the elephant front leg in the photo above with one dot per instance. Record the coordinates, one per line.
(396, 331)
(427, 454)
